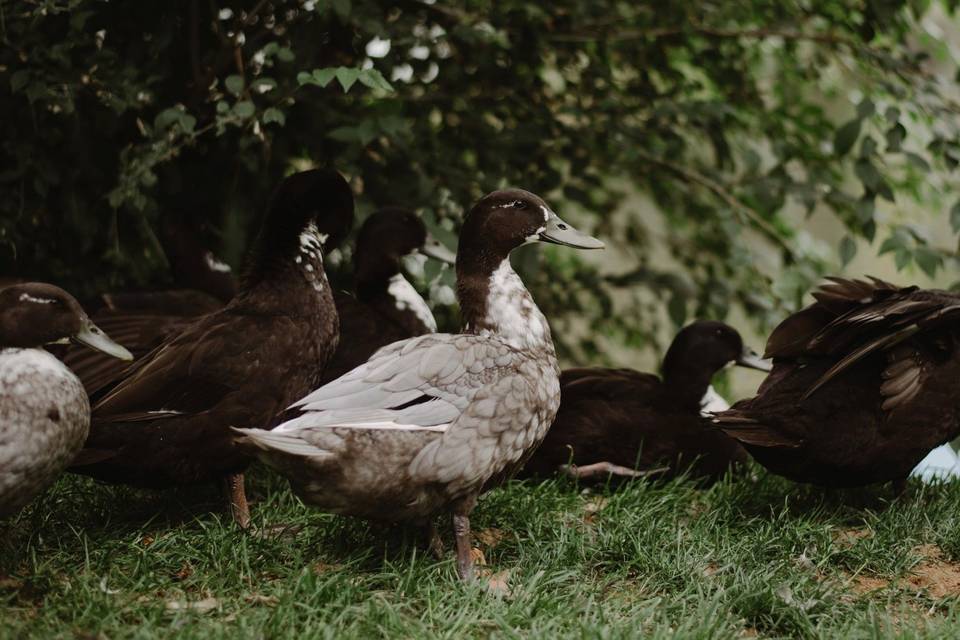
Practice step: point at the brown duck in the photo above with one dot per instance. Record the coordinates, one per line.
(167, 422)
(862, 386)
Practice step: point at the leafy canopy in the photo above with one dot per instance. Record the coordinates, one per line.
(734, 118)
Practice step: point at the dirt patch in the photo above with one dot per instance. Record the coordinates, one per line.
(935, 574)
(868, 584)
(491, 537)
(846, 538)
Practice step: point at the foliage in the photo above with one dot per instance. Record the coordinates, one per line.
(733, 118)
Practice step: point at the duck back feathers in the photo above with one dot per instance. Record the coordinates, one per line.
(862, 385)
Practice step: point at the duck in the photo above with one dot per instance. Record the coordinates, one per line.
(166, 423)
(427, 423)
(44, 411)
(621, 423)
(143, 320)
(385, 307)
(862, 386)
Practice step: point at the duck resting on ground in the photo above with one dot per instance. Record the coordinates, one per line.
(387, 307)
(44, 412)
(862, 387)
(427, 422)
(620, 422)
(167, 422)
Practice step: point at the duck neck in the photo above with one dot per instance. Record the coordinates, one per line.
(299, 267)
(493, 301)
(686, 381)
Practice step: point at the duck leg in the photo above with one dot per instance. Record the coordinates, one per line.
(236, 496)
(583, 472)
(434, 543)
(461, 532)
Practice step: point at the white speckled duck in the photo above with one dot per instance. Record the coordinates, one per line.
(426, 423)
(44, 412)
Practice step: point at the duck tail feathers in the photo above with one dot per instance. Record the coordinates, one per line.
(273, 442)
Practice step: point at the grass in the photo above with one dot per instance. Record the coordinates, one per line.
(754, 556)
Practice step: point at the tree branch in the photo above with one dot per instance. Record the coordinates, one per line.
(746, 213)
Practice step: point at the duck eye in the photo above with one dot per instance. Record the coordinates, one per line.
(518, 204)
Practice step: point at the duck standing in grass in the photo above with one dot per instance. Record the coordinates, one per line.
(623, 423)
(425, 423)
(44, 412)
(863, 386)
(167, 422)
(386, 307)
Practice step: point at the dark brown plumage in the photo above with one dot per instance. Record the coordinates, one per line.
(385, 307)
(614, 421)
(863, 386)
(167, 422)
(143, 320)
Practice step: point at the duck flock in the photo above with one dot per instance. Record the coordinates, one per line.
(370, 412)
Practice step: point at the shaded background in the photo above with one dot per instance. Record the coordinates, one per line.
(730, 153)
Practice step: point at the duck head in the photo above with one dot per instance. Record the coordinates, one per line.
(386, 237)
(309, 210)
(700, 350)
(186, 242)
(504, 220)
(35, 314)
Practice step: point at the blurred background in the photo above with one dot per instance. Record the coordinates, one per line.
(729, 153)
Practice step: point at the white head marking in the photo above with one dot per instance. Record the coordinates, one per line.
(26, 297)
(215, 265)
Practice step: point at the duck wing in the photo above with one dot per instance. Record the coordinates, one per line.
(140, 334)
(193, 371)
(463, 393)
(853, 319)
(422, 383)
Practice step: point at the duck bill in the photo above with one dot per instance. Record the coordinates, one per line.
(92, 336)
(752, 360)
(433, 249)
(557, 231)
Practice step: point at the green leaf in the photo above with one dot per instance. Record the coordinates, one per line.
(845, 137)
(166, 118)
(848, 249)
(19, 80)
(955, 217)
(322, 77)
(223, 106)
(918, 161)
(347, 76)
(865, 109)
(895, 136)
(868, 174)
(375, 80)
(305, 77)
(285, 54)
(273, 114)
(895, 242)
(234, 84)
(244, 109)
(928, 260)
(902, 258)
(187, 122)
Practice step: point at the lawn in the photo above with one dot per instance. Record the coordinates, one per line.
(754, 556)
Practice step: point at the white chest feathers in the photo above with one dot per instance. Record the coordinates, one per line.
(405, 297)
(512, 312)
(310, 258)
